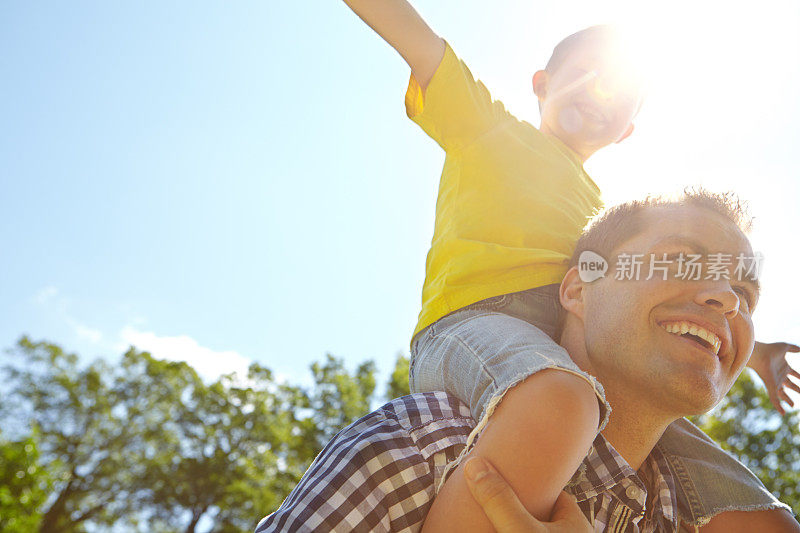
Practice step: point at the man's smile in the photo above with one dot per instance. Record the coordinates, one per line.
(695, 332)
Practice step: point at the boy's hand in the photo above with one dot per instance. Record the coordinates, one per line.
(506, 512)
(769, 361)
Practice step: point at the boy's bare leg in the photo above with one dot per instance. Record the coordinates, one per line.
(536, 439)
(507, 514)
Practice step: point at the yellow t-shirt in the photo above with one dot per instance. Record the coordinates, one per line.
(512, 201)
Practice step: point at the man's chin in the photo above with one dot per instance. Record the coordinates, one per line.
(691, 397)
(696, 403)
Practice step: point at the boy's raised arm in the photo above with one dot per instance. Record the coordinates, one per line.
(401, 26)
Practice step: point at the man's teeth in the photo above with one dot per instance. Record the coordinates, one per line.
(680, 328)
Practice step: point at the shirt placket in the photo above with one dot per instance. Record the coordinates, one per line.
(629, 508)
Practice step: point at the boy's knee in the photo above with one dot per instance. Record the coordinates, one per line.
(563, 397)
(541, 430)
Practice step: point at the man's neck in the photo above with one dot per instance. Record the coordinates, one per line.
(635, 425)
(633, 429)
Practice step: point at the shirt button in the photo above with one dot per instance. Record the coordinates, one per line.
(633, 492)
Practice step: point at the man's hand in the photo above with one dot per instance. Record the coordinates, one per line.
(506, 512)
(769, 361)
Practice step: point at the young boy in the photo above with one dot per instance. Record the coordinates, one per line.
(513, 200)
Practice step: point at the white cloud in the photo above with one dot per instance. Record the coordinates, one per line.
(45, 295)
(209, 363)
(87, 333)
(51, 300)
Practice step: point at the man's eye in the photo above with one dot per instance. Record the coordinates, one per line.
(745, 295)
(676, 259)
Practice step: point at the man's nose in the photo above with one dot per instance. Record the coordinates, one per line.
(720, 296)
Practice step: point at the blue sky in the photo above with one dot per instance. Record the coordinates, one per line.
(226, 182)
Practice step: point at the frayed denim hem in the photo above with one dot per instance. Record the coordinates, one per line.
(705, 519)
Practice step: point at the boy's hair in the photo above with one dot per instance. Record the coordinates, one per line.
(603, 35)
(611, 40)
(612, 227)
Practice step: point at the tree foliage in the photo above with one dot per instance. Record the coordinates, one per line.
(746, 425)
(398, 380)
(339, 398)
(147, 445)
(83, 435)
(24, 485)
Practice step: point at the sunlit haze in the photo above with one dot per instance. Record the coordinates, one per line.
(227, 182)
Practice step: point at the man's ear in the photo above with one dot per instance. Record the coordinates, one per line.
(540, 79)
(572, 293)
(626, 134)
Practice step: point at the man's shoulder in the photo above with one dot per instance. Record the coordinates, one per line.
(366, 475)
(424, 423)
(416, 410)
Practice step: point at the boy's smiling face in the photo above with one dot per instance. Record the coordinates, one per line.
(589, 100)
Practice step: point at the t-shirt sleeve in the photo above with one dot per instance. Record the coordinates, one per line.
(454, 108)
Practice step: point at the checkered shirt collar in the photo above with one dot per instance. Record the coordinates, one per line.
(605, 471)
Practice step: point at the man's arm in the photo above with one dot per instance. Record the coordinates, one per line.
(401, 26)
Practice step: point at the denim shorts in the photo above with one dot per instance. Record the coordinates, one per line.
(479, 352)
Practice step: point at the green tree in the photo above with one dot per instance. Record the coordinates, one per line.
(338, 398)
(82, 436)
(746, 425)
(221, 450)
(398, 380)
(232, 450)
(24, 485)
(146, 444)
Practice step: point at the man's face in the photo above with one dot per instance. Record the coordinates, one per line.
(635, 331)
(590, 100)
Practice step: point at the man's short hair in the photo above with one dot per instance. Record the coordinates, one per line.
(612, 227)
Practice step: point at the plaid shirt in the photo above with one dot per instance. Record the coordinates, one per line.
(614, 498)
(380, 474)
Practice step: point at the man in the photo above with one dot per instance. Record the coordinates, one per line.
(662, 347)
